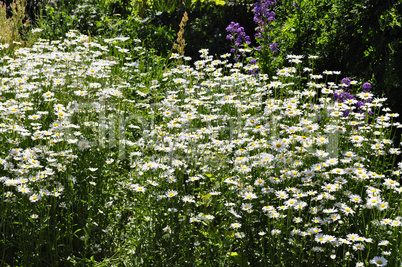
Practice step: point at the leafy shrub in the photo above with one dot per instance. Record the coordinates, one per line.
(361, 39)
(58, 17)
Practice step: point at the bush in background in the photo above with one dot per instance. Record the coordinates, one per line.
(360, 39)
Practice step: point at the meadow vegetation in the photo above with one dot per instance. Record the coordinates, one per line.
(119, 149)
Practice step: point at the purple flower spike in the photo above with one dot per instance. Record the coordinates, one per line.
(262, 13)
(239, 36)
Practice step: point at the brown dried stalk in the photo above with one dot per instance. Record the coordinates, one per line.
(12, 28)
(180, 42)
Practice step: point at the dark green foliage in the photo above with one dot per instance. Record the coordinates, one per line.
(205, 28)
(361, 39)
(57, 18)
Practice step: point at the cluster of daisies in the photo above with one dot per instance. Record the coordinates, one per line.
(51, 97)
(274, 153)
(211, 143)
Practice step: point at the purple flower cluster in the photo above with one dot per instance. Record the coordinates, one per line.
(341, 96)
(346, 81)
(274, 47)
(366, 87)
(254, 71)
(238, 33)
(262, 15)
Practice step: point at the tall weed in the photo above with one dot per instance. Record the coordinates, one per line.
(14, 29)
